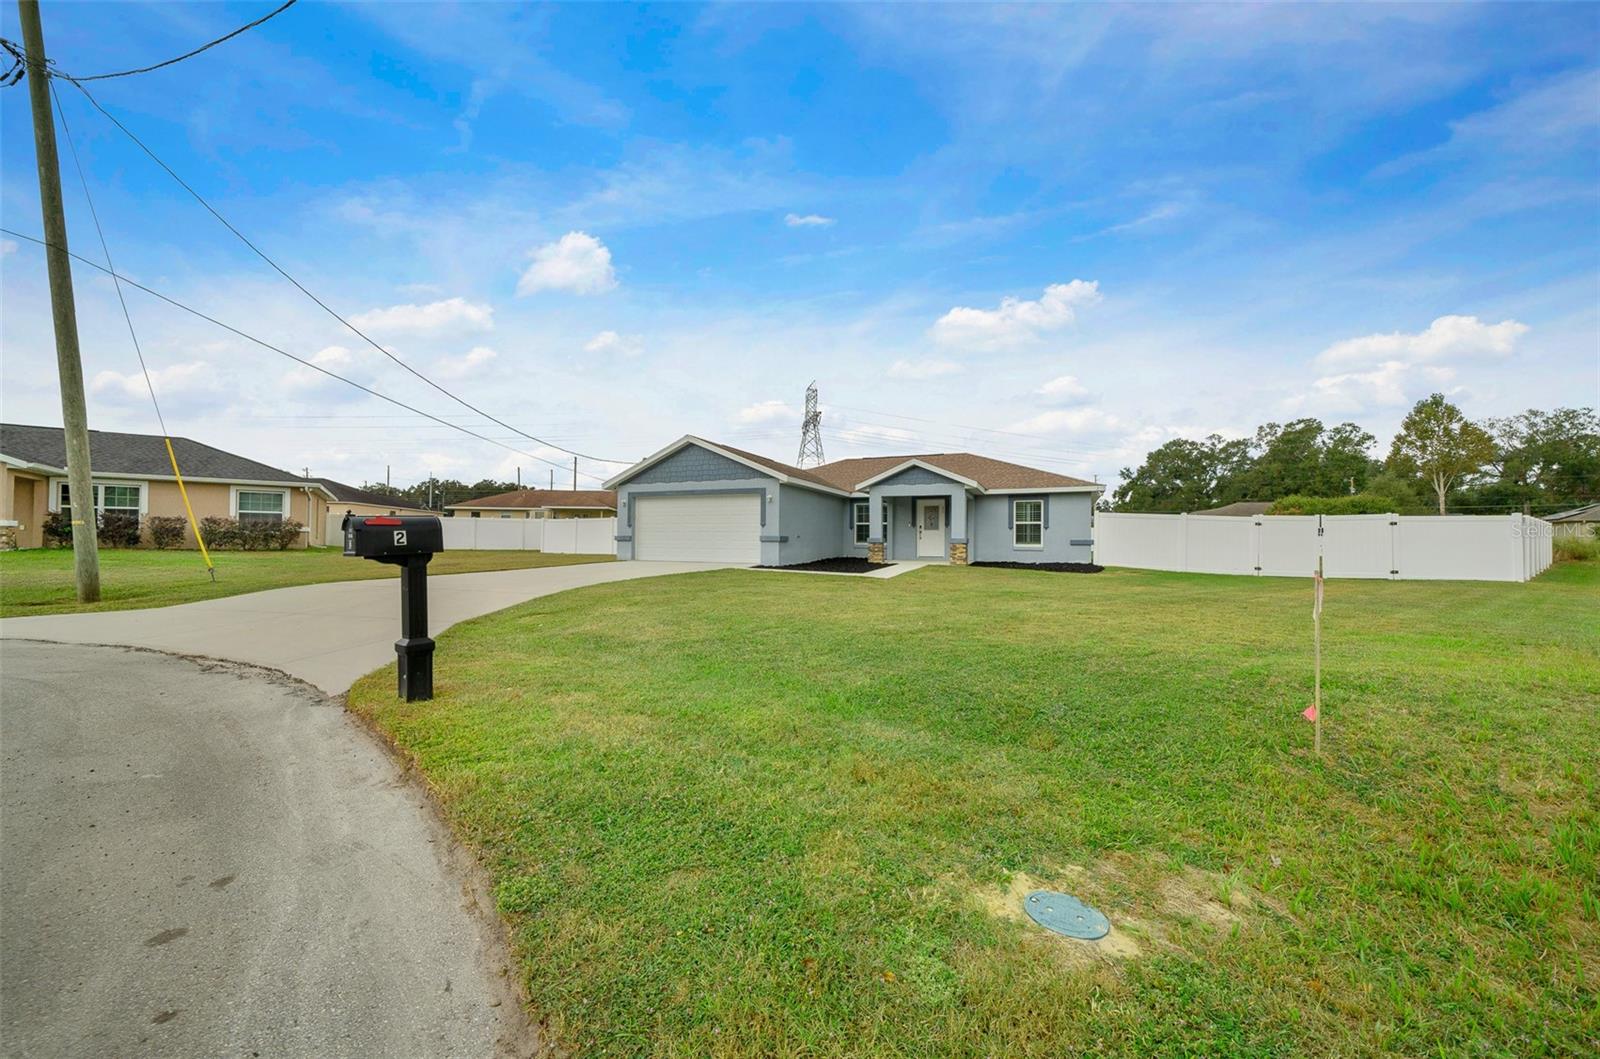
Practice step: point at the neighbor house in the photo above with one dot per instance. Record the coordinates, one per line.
(539, 503)
(1238, 509)
(348, 500)
(698, 500)
(133, 475)
(1579, 522)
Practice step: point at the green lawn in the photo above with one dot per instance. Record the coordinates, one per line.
(39, 581)
(745, 814)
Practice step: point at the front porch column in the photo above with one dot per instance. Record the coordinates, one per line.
(959, 530)
(875, 542)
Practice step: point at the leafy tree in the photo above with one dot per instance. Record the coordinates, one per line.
(1184, 475)
(1440, 445)
(1549, 459)
(1287, 460)
(1344, 465)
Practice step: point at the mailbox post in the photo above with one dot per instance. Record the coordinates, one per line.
(409, 542)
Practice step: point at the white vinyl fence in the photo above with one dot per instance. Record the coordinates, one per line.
(566, 536)
(1394, 547)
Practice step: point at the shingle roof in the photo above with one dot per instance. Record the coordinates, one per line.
(814, 475)
(988, 473)
(111, 452)
(1238, 508)
(1586, 513)
(535, 498)
(349, 494)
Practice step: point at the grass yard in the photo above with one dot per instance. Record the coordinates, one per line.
(739, 814)
(39, 580)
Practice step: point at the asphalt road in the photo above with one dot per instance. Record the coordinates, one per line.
(330, 634)
(204, 859)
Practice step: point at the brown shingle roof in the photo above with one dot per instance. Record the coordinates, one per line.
(814, 475)
(988, 473)
(533, 498)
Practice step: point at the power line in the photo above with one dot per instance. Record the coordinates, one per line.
(186, 55)
(320, 303)
(298, 360)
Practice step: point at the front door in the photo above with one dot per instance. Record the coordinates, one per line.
(930, 529)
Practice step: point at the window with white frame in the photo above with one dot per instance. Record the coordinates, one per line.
(119, 499)
(261, 505)
(861, 516)
(1028, 520)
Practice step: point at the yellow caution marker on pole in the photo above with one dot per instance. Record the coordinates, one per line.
(198, 539)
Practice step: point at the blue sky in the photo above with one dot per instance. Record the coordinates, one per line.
(1060, 235)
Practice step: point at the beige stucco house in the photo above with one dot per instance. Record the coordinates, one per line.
(349, 500)
(539, 503)
(133, 475)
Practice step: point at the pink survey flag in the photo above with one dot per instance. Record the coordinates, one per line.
(1309, 713)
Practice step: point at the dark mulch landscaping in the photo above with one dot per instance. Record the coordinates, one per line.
(843, 565)
(1055, 568)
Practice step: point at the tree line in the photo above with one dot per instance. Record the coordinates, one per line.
(1439, 461)
(434, 494)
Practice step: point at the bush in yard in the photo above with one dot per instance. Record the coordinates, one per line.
(1576, 549)
(118, 530)
(57, 530)
(166, 531)
(1356, 504)
(286, 534)
(220, 533)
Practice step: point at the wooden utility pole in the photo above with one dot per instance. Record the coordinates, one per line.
(574, 474)
(69, 364)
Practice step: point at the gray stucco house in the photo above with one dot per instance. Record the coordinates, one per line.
(700, 501)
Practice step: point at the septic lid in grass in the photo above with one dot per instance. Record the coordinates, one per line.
(1065, 914)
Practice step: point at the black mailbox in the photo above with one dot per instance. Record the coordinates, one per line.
(390, 538)
(409, 542)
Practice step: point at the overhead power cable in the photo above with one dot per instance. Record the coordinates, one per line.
(298, 360)
(105, 248)
(188, 54)
(322, 304)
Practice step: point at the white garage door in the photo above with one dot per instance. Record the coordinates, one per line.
(702, 529)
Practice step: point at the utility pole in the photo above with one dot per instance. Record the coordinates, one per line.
(552, 479)
(574, 474)
(69, 363)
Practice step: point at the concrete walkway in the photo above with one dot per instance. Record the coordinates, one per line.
(328, 635)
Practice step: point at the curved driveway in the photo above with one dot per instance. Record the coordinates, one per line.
(329, 634)
(202, 858)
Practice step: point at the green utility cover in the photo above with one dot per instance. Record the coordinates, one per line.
(1065, 914)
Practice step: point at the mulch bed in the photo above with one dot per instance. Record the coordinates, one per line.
(1055, 568)
(841, 565)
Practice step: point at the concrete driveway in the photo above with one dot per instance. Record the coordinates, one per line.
(327, 635)
(203, 858)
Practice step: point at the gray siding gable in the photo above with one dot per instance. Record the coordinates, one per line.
(916, 476)
(694, 464)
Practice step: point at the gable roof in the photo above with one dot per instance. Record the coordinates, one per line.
(988, 474)
(1243, 508)
(144, 455)
(850, 476)
(349, 494)
(529, 499)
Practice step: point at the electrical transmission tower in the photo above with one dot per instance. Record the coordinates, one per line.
(811, 432)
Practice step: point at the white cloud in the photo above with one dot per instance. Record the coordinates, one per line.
(1064, 389)
(608, 343)
(577, 262)
(434, 316)
(765, 412)
(336, 359)
(1069, 421)
(466, 363)
(1391, 383)
(1016, 322)
(192, 377)
(1447, 338)
(923, 369)
(807, 220)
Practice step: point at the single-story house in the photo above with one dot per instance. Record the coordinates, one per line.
(1578, 522)
(348, 500)
(132, 475)
(539, 503)
(1239, 509)
(701, 501)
